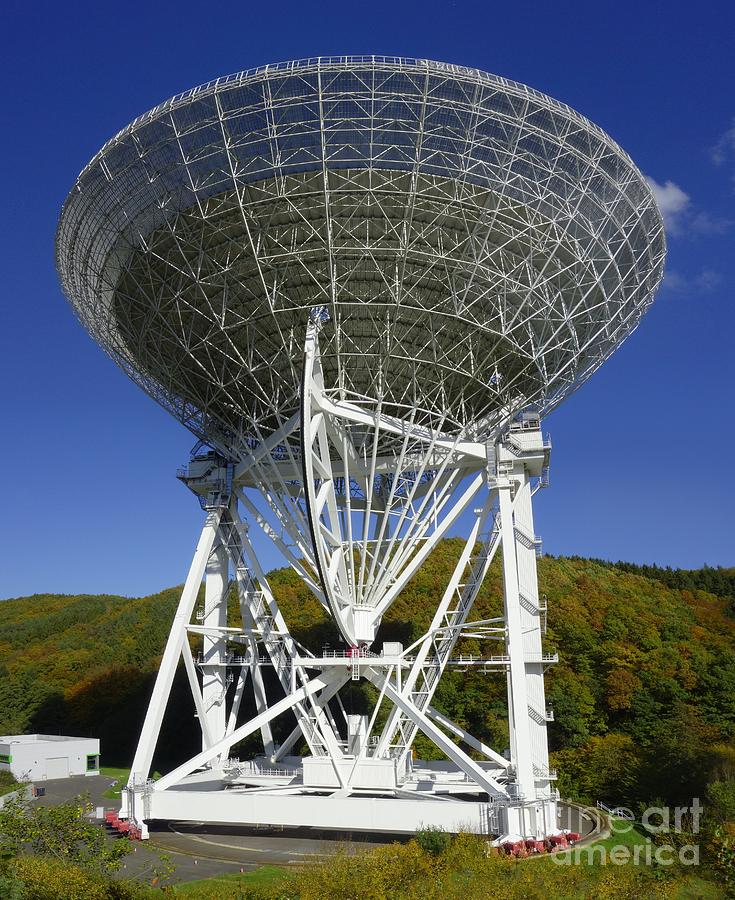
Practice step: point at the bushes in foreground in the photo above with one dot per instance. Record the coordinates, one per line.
(55, 853)
(7, 782)
(464, 870)
(41, 878)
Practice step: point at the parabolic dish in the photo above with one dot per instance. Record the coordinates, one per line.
(473, 246)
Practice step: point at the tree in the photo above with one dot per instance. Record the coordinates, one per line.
(60, 832)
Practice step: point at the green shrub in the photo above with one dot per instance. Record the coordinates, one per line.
(50, 879)
(12, 888)
(433, 839)
(7, 782)
(722, 852)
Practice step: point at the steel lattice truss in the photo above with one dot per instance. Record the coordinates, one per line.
(359, 280)
(477, 246)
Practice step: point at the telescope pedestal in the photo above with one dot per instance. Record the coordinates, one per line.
(356, 501)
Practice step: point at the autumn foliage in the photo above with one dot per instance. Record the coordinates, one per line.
(644, 694)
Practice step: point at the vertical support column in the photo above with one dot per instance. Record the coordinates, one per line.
(143, 759)
(256, 674)
(531, 622)
(518, 715)
(214, 644)
(523, 455)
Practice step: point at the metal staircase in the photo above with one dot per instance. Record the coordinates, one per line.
(529, 542)
(536, 608)
(203, 613)
(541, 718)
(215, 701)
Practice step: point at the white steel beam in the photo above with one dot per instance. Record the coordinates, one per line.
(471, 741)
(256, 679)
(214, 673)
(411, 567)
(222, 746)
(201, 710)
(277, 638)
(324, 697)
(451, 598)
(520, 736)
(237, 699)
(141, 767)
(478, 775)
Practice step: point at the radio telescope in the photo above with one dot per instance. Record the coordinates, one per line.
(360, 282)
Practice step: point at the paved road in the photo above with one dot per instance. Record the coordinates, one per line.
(62, 789)
(576, 819)
(257, 846)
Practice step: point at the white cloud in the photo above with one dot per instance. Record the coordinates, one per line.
(724, 149)
(707, 280)
(704, 223)
(679, 214)
(674, 281)
(672, 201)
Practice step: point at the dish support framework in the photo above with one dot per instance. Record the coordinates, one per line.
(356, 522)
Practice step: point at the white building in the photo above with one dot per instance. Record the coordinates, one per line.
(38, 757)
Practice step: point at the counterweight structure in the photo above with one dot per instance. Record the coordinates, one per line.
(360, 281)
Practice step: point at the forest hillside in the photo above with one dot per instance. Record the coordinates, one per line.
(644, 693)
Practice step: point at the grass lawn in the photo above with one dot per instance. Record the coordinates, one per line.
(688, 887)
(8, 784)
(693, 886)
(113, 793)
(626, 836)
(224, 886)
(122, 775)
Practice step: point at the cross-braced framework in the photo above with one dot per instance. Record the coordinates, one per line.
(349, 277)
(356, 501)
(477, 244)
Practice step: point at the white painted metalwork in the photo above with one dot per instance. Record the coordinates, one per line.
(359, 281)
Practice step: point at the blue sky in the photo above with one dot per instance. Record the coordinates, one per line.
(641, 467)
